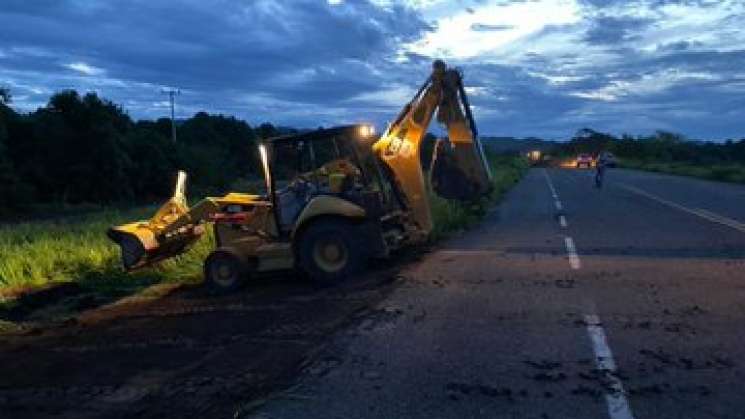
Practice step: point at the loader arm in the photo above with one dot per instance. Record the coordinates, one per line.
(174, 227)
(459, 170)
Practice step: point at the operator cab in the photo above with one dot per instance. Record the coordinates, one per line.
(334, 161)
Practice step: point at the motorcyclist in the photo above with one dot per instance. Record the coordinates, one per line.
(600, 165)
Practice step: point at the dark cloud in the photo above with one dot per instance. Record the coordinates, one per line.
(679, 46)
(614, 30)
(304, 52)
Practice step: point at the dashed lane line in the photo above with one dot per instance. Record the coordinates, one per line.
(550, 184)
(702, 213)
(574, 261)
(618, 405)
(557, 201)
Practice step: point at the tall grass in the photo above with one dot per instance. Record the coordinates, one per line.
(76, 249)
(734, 173)
(450, 216)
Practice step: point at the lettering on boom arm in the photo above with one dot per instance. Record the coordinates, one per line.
(399, 146)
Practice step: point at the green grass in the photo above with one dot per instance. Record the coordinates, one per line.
(76, 249)
(452, 216)
(734, 173)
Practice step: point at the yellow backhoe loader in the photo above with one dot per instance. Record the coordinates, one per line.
(333, 197)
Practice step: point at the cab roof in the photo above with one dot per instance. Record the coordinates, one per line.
(318, 134)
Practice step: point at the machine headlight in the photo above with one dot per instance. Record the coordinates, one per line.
(265, 165)
(367, 131)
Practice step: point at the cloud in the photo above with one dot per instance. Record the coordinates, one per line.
(533, 67)
(304, 52)
(85, 69)
(482, 27)
(615, 30)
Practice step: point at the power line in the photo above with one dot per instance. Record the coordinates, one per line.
(172, 93)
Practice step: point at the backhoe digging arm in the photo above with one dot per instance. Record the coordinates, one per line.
(459, 171)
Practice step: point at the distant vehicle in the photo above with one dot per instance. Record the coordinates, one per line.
(584, 160)
(534, 157)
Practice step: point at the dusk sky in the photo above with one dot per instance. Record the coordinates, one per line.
(532, 67)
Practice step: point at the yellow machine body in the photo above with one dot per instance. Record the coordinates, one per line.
(372, 198)
(325, 205)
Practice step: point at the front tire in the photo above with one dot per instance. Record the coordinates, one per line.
(329, 251)
(224, 270)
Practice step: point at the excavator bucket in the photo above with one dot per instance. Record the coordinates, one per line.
(457, 172)
(168, 233)
(459, 168)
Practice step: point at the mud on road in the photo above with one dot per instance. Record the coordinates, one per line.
(189, 354)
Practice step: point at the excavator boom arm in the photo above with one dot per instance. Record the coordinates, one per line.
(459, 169)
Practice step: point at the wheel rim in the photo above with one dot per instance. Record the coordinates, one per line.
(223, 272)
(330, 254)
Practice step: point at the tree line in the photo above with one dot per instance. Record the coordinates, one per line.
(86, 149)
(660, 147)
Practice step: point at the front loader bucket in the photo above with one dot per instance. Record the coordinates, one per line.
(168, 233)
(131, 246)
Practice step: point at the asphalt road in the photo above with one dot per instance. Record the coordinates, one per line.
(567, 302)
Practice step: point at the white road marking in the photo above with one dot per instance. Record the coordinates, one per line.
(557, 202)
(550, 185)
(618, 406)
(574, 261)
(720, 219)
(702, 213)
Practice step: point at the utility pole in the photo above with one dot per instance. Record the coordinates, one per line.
(172, 93)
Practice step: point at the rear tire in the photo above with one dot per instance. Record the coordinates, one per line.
(330, 251)
(225, 271)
